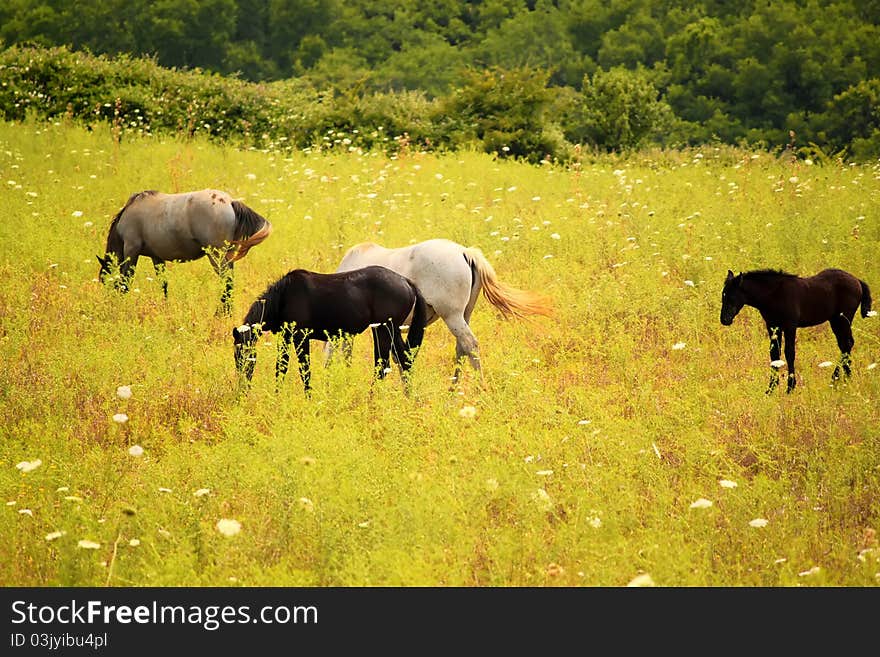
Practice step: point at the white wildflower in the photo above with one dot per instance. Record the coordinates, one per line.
(542, 499)
(228, 526)
(701, 503)
(642, 580)
(29, 466)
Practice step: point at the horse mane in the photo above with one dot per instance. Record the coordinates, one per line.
(768, 273)
(251, 228)
(112, 235)
(267, 307)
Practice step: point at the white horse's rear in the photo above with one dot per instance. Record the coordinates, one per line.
(450, 277)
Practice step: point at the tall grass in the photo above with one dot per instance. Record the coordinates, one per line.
(584, 452)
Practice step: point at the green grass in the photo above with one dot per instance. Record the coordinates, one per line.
(591, 438)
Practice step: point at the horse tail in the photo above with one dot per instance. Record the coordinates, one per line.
(418, 323)
(511, 301)
(251, 228)
(866, 298)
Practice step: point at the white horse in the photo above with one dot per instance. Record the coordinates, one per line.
(450, 277)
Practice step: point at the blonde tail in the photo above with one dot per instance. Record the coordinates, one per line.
(511, 301)
(247, 244)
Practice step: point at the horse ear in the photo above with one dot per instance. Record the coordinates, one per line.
(729, 274)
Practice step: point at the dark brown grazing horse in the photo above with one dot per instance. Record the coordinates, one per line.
(181, 227)
(788, 302)
(304, 306)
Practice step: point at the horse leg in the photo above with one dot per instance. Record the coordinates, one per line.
(403, 357)
(845, 341)
(228, 276)
(775, 346)
(345, 343)
(228, 282)
(302, 354)
(382, 349)
(465, 345)
(789, 336)
(400, 352)
(127, 268)
(283, 360)
(226, 271)
(161, 271)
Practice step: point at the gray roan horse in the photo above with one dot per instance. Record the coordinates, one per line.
(788, 302)
(450, 277)
(182, 227)
(304, 305)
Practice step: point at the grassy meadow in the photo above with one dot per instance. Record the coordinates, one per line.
(626, 440)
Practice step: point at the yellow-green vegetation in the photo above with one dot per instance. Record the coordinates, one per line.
(628, 437)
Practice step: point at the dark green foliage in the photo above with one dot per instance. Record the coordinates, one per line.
(503, 112)
(618, 110)
(745, 72)
(138, 95)
(853, 118)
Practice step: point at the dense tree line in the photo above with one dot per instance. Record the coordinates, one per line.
(748, 71)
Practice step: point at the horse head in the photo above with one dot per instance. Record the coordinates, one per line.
(733, 298)
(111, 271)
(104, 272)
(245, 338)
